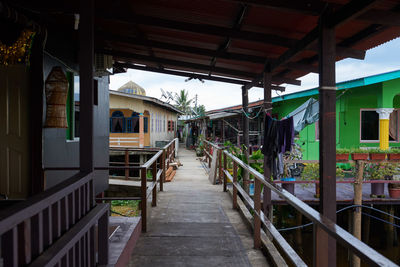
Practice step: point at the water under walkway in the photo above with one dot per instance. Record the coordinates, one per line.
(194, 225)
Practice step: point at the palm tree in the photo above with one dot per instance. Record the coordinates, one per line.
(182, 101)
(200, 110)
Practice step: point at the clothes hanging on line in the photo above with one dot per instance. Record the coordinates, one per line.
(278, 139)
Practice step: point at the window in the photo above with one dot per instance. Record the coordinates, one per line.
(369, 125)
(132, 123)
(164, 124)
(117, 122)
(146, 126)
(72, 106)
(151, 117)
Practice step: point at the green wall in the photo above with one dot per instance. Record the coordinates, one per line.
(348, 105)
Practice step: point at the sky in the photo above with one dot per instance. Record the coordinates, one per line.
(213, 95)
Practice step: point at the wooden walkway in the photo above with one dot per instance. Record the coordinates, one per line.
(194, 225)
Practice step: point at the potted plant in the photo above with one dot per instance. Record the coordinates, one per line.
(394, 188)
(377, 154)
(359, 154)
(291, 171)
(393, 154)
(379, 171)
(342, 154)
(311, 172)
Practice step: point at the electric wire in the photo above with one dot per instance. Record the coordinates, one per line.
(346, 208)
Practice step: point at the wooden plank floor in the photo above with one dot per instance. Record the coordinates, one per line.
(194, 225)
(344, 195)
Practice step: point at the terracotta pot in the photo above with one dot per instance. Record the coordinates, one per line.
(394, 192)
(377, 156)
(377, 189)
(394, 156)
(359, 156)
(342, 157)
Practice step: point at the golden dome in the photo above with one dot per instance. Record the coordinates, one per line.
(132, 88)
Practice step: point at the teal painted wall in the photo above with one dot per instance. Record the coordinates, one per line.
(350, 102)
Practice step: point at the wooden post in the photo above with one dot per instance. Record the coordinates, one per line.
(126, 164)
(220, 173)
(154, 174)
(234, 197)
(143, 194)
(267, 207)
(226, 169)
(357, 212)
(86, 62)
(245, 103)
(223, 131)
(257, 209)
(141, 130)
(325, 254)
(162, 178)
(103, 240)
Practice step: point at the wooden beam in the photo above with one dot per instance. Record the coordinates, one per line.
(350, 11)
(302, 67)
(246, 141)
(267, 163)
(101, 36)
(86, 62)
(310, 7)
(325, 245)
(206, 29)
(191, 75)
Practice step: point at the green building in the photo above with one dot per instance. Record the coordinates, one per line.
(367, 113)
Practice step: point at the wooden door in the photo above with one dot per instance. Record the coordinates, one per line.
(14, 131)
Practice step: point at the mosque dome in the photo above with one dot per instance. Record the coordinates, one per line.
(132, 88)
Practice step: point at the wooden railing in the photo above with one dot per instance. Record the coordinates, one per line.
(321, 223)
(56, 227)
(124, 141)
(158, 164)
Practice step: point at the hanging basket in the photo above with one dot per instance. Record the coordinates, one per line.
(56, 99)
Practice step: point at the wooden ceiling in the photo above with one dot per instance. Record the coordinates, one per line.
(228, 40)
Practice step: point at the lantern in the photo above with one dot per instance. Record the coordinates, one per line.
(56, 98)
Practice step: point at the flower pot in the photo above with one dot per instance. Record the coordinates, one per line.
(288, 186)
(342, 157)
(377, 189)
(394, 156)
(394, 192)
(359, 156)
(377, 156)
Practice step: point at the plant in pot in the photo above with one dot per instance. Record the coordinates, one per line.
(291, 171)
(311, 173)
(342, 154)
(394, 188)
(359, 154)
(379, 171)
(393, 154)
(377, 154)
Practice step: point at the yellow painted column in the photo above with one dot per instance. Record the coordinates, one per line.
(141, 130)
(384, 116)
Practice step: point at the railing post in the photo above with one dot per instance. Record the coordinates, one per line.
(234, 197)
(143, 204)
(126, 164)
(226, 169)
(257, 214)
(103, 240)
(154, 172)
(162, 178)
(220, 165)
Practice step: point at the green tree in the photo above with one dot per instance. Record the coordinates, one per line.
(200, 110)
(182, 101)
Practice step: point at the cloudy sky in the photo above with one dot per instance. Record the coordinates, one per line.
(212, 95)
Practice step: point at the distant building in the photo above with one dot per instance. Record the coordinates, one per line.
(137, 120)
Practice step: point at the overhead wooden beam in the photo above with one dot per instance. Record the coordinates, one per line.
(120, 65)
(349, 11)
(101, 36)
(388, 18)
(302, 67)
(310, 7)
(207, 29)
(236, 26)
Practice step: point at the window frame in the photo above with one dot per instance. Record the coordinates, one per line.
(377, 141)
(124, 123)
